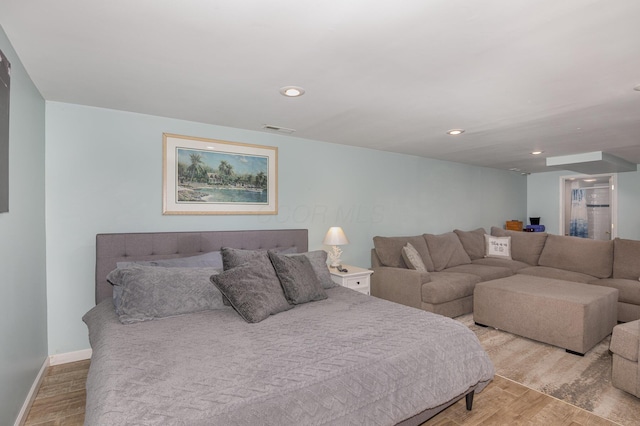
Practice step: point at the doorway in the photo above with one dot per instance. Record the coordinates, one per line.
(589, 206)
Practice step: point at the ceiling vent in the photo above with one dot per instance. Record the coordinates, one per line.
(592, 163)
(278, 129)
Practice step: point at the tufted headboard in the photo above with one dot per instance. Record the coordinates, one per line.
(128, 247)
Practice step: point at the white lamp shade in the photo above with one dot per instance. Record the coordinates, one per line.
(335, 237)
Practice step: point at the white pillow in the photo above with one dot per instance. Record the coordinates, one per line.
(412, 258)
(498, 247)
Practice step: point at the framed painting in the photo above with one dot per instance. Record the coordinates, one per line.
(208, 176)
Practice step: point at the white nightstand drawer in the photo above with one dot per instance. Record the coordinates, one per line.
(355, 278)
(357, 283)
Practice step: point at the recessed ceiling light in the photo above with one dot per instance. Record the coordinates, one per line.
(291, 91)
(514, 169)
(455, 131)
(536, 152)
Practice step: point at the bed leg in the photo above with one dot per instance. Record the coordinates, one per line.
(469, 398)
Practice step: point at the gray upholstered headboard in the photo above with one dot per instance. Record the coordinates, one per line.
(113, 248)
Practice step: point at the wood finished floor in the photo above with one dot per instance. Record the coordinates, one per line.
(61, 400)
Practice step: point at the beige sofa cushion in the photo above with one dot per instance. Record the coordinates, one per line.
(485, 272)
(575, 254)
(555, 273)
(625, 340)
(448, 286)
(513, 265)
(525, 246)
(626, 259)
(473, 242)
(629, 290)
(446, 250)
(389, 250)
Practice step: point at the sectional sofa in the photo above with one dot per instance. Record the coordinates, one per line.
(455, 262)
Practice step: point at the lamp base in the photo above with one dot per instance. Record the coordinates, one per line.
(334, 256)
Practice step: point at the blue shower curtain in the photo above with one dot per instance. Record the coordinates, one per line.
(579, 224)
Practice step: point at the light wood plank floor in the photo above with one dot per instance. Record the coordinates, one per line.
(61, 400)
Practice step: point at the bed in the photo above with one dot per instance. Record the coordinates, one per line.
(346, 359)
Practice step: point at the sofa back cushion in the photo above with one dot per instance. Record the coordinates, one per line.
(578, 255)
(473, 242)
(525, 246)
(446, 251)
(626, 259)
(389, 250)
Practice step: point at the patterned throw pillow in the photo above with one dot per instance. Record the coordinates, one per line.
(498, 247)
(298, 278)
(143, 293)
(254, 291)
(412, 258)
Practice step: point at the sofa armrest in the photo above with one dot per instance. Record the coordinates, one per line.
(399, 285)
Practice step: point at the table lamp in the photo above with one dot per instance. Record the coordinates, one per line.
(335, 237)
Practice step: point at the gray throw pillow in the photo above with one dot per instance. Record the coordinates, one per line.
(254, 291)
(318, 260)
(232, 257)
(297, 278)
(212, 259)
(148, 292)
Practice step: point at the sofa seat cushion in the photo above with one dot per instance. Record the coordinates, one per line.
(446, 250)
(629, 289)
(575, 254)
(485, 272)
(625, 340)
(525, 246)
(625, 259)
(447, 286)
(513, 265)
(558, 274)
(389, 250)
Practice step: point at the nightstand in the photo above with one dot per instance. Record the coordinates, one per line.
(357, 279)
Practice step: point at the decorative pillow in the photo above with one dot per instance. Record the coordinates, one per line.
(473, 242)
(253, 290)
(499, 247)
(446, 250)
(412, 258)
(232, 257)
(207, 260)
(143, 293)
(297, 278)
(318, 260)
(389, 250)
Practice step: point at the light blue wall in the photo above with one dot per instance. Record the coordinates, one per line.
(104, 174)
(543, 199)
(23, 327)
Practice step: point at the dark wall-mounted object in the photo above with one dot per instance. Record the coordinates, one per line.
(5, 86)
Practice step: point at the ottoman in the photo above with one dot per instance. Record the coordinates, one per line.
(573, 316)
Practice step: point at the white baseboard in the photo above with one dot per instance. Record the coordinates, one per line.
(49, 361)
(70, 357)
(31, 396)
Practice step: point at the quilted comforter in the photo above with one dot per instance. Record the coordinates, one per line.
(349, 359)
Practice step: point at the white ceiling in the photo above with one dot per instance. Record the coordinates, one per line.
(518, 75)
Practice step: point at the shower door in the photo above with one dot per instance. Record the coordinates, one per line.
(589, 206)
